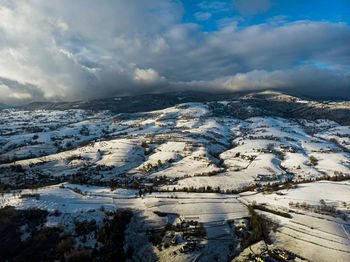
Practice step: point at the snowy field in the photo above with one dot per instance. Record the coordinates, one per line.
(310, 234)
(188, 162)
(79, 203)
(187, 144)
(313, 235)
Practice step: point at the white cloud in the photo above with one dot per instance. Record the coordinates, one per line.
(159, 45)
(149, 76)
(202, 16)
(214, 6)
(6, 92)
(69, 50)
(306, 79)
(251, 7)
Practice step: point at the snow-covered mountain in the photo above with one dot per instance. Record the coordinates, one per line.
(202, 161)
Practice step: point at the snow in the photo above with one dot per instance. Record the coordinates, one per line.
(188, 145)
(311, 235)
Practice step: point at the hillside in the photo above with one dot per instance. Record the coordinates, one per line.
(204, 162)
(272, 103)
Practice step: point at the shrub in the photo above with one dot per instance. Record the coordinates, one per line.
(313, 160)
(85, 227)
(78, 255)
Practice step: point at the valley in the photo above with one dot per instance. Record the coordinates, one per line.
(195, 176)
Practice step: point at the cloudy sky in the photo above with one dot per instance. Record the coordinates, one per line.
(82, 49)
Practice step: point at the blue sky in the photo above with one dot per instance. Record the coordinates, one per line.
(83, 49)
(292, 10)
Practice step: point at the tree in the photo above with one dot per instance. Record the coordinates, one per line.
(313, 160)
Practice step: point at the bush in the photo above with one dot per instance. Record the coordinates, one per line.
(39, 246)
(78, 255)
(85, 227)
(313, 160)
(144, 144)
(66, 244)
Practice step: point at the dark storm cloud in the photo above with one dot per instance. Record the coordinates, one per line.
(12, 92)
(69, 50)
(308, 80)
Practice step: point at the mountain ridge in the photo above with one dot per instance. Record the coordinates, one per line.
(269, 102)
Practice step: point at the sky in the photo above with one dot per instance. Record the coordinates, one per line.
(64, 50)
